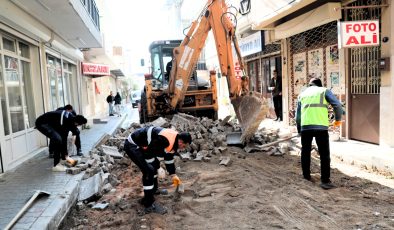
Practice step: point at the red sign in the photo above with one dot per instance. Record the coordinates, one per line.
(95, 69)
(359, 33)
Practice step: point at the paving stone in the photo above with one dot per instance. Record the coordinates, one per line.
(112, 151)
(90, 187)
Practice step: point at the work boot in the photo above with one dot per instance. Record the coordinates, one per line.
(59, 168)
(327, 185)
(155, 208)
(161, 192)
(79, 153)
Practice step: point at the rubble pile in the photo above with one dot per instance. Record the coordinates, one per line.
(209, 141)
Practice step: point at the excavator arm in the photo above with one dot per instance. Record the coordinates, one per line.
(215, 18)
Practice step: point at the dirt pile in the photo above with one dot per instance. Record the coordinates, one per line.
(234, 187)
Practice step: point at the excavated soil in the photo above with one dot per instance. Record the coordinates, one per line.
(255, 191)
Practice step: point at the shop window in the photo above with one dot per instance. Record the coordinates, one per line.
(9, 44)
(16, 88)
(4, 108)
(60, 81)
(27, 84)
(24, 50)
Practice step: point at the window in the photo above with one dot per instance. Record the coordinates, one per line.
(24, 50)
(9, 44)
(60, 80)
(16, 88)
(4, 108)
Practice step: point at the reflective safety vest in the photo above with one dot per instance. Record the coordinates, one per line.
(314, 106)
(171, 137)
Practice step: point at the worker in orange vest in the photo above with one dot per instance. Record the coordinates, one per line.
(143, 147)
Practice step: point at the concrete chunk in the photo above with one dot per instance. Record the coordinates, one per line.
(226, 161)
(73, 170)
(90, 188)
(160, 122)
(112, 151)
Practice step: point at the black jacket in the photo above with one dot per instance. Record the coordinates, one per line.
(110, 98)
(53, 119)
(277, 86)
(118, 99)
(62, 108)
(156, 147)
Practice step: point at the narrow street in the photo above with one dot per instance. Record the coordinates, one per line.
(255, 191)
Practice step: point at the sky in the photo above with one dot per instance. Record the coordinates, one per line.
(135, 24)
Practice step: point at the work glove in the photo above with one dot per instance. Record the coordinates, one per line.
(175, 180)
(336, 123)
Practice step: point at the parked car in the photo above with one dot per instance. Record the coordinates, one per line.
(135, 98)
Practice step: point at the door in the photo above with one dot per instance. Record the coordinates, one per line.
(364, 81)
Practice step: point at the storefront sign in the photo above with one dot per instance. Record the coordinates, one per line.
(358, 34)
(95, 69)
(251, 44)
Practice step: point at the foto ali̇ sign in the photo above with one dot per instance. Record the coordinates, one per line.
(358, 33)
(95, 69)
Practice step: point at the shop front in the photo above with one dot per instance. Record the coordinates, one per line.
(261, 60)
(20, 85)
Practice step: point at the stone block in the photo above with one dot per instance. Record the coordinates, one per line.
(90, 188)
(226, 161)
(111, 151)
(73, 170)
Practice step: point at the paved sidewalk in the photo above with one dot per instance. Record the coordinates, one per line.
(17, 186)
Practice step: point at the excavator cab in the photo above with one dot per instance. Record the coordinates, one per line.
(161, 61)
(200, 98)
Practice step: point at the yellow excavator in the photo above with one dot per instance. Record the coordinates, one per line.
(250, 107)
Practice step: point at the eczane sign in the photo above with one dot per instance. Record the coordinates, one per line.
(358, 34)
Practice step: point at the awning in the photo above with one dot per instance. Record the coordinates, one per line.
(303, 16)
(309, 20)
(117, 72)
(271, 20)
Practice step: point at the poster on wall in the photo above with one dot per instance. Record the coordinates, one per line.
(299, 70)
(315, 64)
(334, 81)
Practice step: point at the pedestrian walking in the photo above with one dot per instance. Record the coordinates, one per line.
(110, 101)
(56, 125)
(276, 90)
(143, 147)
(312, 122)
(118, 104)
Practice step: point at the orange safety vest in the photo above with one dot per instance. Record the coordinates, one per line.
(171, 137)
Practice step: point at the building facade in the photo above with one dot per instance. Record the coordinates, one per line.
(40, 68)
(359, 75)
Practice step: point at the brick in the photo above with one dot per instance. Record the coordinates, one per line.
(73, 170)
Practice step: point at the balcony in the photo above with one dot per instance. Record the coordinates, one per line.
(76, 21)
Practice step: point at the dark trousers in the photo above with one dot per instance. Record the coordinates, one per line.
(149, 171)
(323, 145)
(77, 143)
(56, 143)
(278, 106)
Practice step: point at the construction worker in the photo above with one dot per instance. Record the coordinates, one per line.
(70, 111)
(56, 125)
(143, 147)
(312, 122)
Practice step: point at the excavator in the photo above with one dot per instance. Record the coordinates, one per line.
(174, 91)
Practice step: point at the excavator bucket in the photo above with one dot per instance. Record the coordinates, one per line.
(250, 109)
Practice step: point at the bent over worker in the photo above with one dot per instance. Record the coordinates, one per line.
(56, 125)
(312, 122)
(143, 147)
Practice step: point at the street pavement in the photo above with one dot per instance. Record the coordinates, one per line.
(18, 185)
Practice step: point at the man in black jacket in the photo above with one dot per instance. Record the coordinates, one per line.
(276, 90)
(143, 147)
(110, 101)
(70, 111)
(55, 125)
